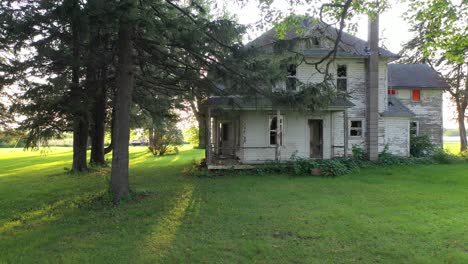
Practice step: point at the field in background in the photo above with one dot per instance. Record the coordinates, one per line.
(452, 147)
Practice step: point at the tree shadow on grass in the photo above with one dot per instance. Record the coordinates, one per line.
(67, 219)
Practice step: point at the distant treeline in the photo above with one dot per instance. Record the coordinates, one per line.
(451, 132)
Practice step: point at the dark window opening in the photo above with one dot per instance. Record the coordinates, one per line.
(291, 77)
(355, 129)
(342, 78)
(315, 41)
(274, 130)
(414, 128)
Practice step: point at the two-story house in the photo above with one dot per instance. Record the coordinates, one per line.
(250, 130)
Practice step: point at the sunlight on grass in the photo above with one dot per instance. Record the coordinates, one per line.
(33, 168)
(452, 147)
(34, 217)
(175, 159)
(163, 234)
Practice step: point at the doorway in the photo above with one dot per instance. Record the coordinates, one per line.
(226, 138)
(316, 138)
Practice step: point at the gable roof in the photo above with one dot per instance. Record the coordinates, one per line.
(414, 76)
(396, 108)
(350, 46)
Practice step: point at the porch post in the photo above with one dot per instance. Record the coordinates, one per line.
(215, 131)
(279, 130)
(208, 136)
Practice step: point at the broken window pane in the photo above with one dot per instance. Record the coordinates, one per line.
(342, 81)
(355, 129)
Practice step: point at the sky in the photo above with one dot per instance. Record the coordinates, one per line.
(394, 31)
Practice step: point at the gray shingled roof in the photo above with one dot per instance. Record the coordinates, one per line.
(350, 46)
(258, 103)
(397, 109)
(414, 76)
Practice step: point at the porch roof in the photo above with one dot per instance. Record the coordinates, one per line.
(238, 102)
(397, 109)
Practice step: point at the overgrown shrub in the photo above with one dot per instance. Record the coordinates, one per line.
(421, 146)
(358, 153)
(442, 156)
(335, 167)
(164, 139)
(341, 166)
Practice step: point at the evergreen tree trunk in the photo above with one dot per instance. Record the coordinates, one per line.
(97, 81)
(109, 148)
(98, 128)
(78, 101)
(123, 97)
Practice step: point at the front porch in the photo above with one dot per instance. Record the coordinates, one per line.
(248, 131)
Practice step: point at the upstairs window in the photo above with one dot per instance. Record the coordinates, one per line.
(416, 95)
(414, 128)
(391, 91)
(355, 128)
(274, 129)
(342, 78)
(291, 77)
(315, 42)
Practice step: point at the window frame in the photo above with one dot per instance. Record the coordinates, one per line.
(270, 118)
(417, 127)
(345, 78)
(291, 79)
(350, 128)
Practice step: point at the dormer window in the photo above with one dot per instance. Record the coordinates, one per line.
(315, 41)
(342, 78)
(291, 77)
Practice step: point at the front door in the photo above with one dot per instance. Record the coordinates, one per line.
(226, 138)
(316, 139)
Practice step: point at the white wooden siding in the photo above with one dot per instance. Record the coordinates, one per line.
(397, 135)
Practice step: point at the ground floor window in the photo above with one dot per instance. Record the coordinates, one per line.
(275, 128)
(414, 128)
(355, 128)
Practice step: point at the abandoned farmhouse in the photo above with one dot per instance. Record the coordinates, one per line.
(387, 103)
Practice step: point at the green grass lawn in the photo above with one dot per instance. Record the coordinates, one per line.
(412, 214)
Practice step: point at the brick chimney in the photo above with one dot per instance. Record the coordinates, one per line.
(372, 124)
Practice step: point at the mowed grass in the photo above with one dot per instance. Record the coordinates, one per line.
(403, 214)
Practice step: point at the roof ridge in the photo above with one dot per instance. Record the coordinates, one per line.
(348, 42)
